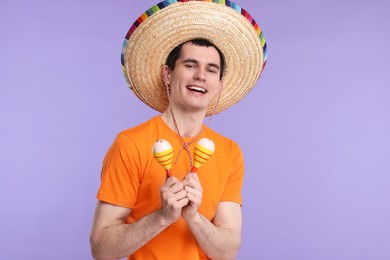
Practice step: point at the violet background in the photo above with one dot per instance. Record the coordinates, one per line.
(315, 132)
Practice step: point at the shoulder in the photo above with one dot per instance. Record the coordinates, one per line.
(219, 138)
(141, 129)
(222, 141)
(137, 137)
(144, 133)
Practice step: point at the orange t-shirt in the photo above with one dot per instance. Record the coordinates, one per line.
(132, 178)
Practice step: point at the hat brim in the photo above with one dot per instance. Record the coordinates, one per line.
(152, 38)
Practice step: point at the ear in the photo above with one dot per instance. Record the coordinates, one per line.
(166, 75)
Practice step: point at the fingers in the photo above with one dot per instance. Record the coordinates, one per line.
(194, 192)
(193, 188)
(173, 185)
(173, 190)
(192, 181)
(173, 194)
(194, 195)
(177, 196)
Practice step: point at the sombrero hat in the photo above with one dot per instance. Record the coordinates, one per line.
(164, 26)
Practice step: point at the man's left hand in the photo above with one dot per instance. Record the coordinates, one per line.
(194, 191)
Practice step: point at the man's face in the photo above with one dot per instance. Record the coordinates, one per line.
(195, 78)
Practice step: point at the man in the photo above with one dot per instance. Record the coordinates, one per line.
(141, 213)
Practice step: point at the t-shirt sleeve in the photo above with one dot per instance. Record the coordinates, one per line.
(120, 178)
(232, 191)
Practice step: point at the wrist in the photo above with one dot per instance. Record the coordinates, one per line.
(195, 218)
(162, 220)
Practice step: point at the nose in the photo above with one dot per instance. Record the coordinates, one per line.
(200, 74)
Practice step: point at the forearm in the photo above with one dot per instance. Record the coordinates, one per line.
(122, 240)
(216, 242)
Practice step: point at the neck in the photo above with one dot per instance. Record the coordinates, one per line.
(189, 123)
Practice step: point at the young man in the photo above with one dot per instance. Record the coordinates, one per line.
(141, 213)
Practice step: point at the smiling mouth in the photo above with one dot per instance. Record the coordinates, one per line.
(197, 89)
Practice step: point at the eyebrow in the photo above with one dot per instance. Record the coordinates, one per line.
(190, 60)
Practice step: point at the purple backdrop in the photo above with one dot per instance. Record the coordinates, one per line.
(315, 131)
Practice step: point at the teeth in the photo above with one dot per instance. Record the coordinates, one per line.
(197, 89)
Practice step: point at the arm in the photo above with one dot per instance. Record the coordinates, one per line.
(221, 238)
(111, 238)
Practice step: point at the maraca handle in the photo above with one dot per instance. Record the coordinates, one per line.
(194, 169)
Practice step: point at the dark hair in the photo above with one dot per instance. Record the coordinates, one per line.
(175, 53)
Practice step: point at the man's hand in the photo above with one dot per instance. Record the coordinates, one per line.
(194, 194)
(173, 199)
(221, 238)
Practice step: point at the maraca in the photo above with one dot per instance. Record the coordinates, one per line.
(204, 149)
(163, 153)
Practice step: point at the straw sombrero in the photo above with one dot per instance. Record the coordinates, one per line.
(164, 26)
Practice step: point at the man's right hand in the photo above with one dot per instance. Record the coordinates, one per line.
(173, 199)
